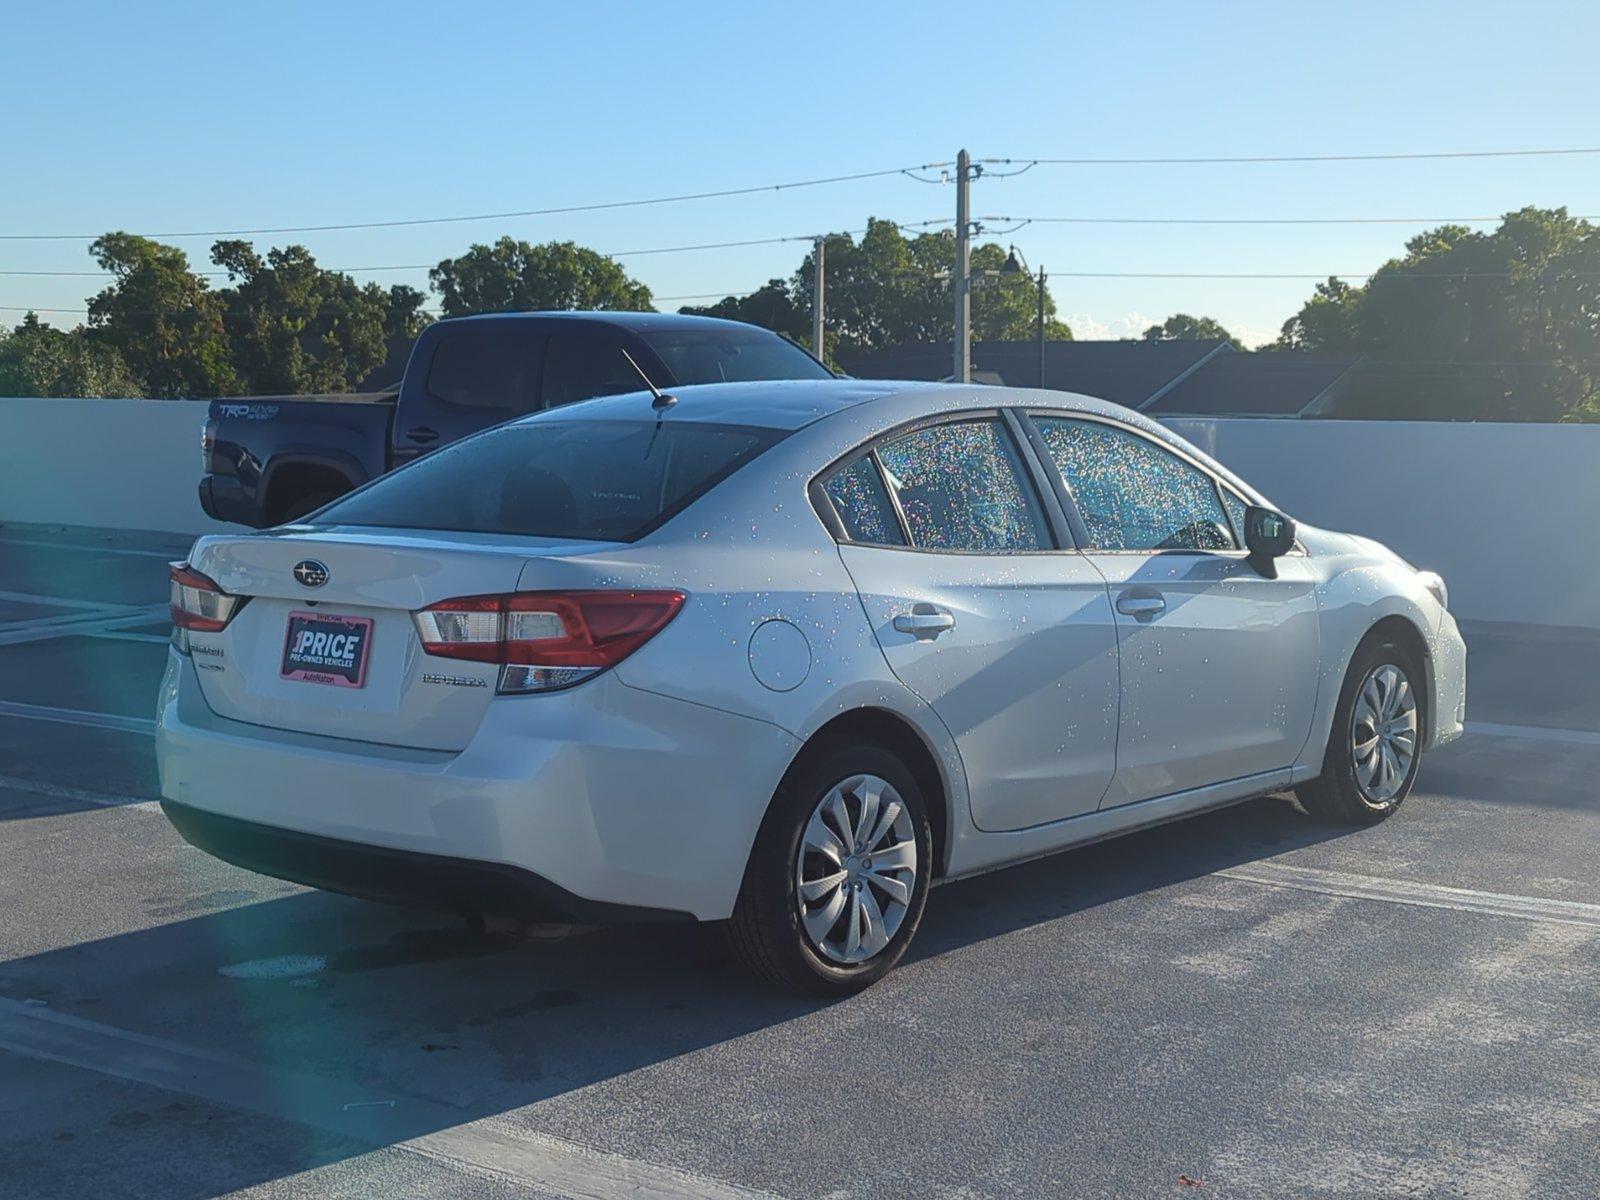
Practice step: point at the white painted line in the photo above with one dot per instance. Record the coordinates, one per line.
(59, 601)
(1425, 895)
(169, 555)
(1535, 733)
(38, 787)
(57, 627)
(77, 716)
(480, 1146)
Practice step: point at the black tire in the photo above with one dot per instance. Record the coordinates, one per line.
(766, 930)
(309, 503)
(1337, 794)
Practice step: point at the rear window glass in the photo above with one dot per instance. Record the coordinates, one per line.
(603, 480)
(731, 356)
(488, 367)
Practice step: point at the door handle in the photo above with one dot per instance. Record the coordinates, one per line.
(1140, 608)
(423, 434)
(924, 621)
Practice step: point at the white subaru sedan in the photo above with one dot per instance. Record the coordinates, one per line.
(782, 654)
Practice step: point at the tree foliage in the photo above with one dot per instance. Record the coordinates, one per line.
(1183, 327)
(889, 290)
(515, 276)
(37, 360)
(161, 318)
(296, 327)
(1502, 324)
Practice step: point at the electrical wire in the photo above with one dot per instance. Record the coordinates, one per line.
(1293, 158)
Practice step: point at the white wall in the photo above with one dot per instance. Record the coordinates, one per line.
(118, 464)
(1508, 514)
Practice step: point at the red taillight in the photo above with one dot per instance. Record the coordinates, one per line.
(197, 603)
(545, 640)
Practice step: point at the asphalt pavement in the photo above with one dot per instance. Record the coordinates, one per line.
(1245, 1004)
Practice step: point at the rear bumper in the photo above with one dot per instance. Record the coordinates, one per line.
(612, 796)
(224, 499)
(397, 876)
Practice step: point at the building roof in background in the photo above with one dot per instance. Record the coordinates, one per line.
(1128, 373)
(1259, 385)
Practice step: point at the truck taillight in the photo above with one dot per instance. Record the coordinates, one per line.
(208, 443)
(198, 605)
(546, 640)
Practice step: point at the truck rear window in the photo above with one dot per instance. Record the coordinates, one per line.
(609, 481)
(719, 355)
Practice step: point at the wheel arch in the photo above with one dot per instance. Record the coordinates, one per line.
(895, 733)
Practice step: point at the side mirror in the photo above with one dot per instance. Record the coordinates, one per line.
(1267, 535)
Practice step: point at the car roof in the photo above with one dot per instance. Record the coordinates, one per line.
(637, 321)
(791, 404)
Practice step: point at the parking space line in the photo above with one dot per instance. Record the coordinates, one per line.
(169, 555)
(154, 639)
(77, 716)
(59, 601)
(54, 791)
(372, 1116)
(1425, 895)
(1535, 733)
(46, 628)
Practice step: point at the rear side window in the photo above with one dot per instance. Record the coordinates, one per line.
(488, 367)
(961, 488)
(600, 480)
(859, 497)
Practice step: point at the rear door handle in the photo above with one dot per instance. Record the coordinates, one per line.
(925, 621)
(423, 434)
(1140, 608)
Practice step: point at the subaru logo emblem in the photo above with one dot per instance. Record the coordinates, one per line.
(310, 572)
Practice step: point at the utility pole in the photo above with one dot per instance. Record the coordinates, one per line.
(961, 279)
(818, 321)
(1041, 326)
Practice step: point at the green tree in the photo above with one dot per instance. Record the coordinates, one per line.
(38, 360)
(1183, 327)
(161, 319)
(296, 327)
(1487, 325)
(515, 276)
(889, 290)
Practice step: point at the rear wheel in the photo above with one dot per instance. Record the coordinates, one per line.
(1375, 746)
(839, 874)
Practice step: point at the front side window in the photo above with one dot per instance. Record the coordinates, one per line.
(600, 480)
(731, 355)
(1236, 507)
(581, 366)
(961, 488)
(1131, 493)
(863, 505)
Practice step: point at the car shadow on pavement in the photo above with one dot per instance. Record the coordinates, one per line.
(361, 999)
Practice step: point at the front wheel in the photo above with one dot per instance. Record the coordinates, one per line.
(1375, 746)
(838, 877)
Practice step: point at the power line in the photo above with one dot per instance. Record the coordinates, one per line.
(771, 241)
(1260, 220)
(498, 216)
(1292, 158)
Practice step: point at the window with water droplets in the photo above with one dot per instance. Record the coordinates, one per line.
(961, 488)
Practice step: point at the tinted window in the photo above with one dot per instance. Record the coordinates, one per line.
(580, 366)
(713, 355)
(608, 480)
(1132, 494)
(961, 488)
(863, 506)
(486, 367)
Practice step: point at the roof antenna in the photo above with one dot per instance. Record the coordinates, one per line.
(661, 400)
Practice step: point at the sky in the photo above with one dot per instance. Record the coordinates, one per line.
(164, 117)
